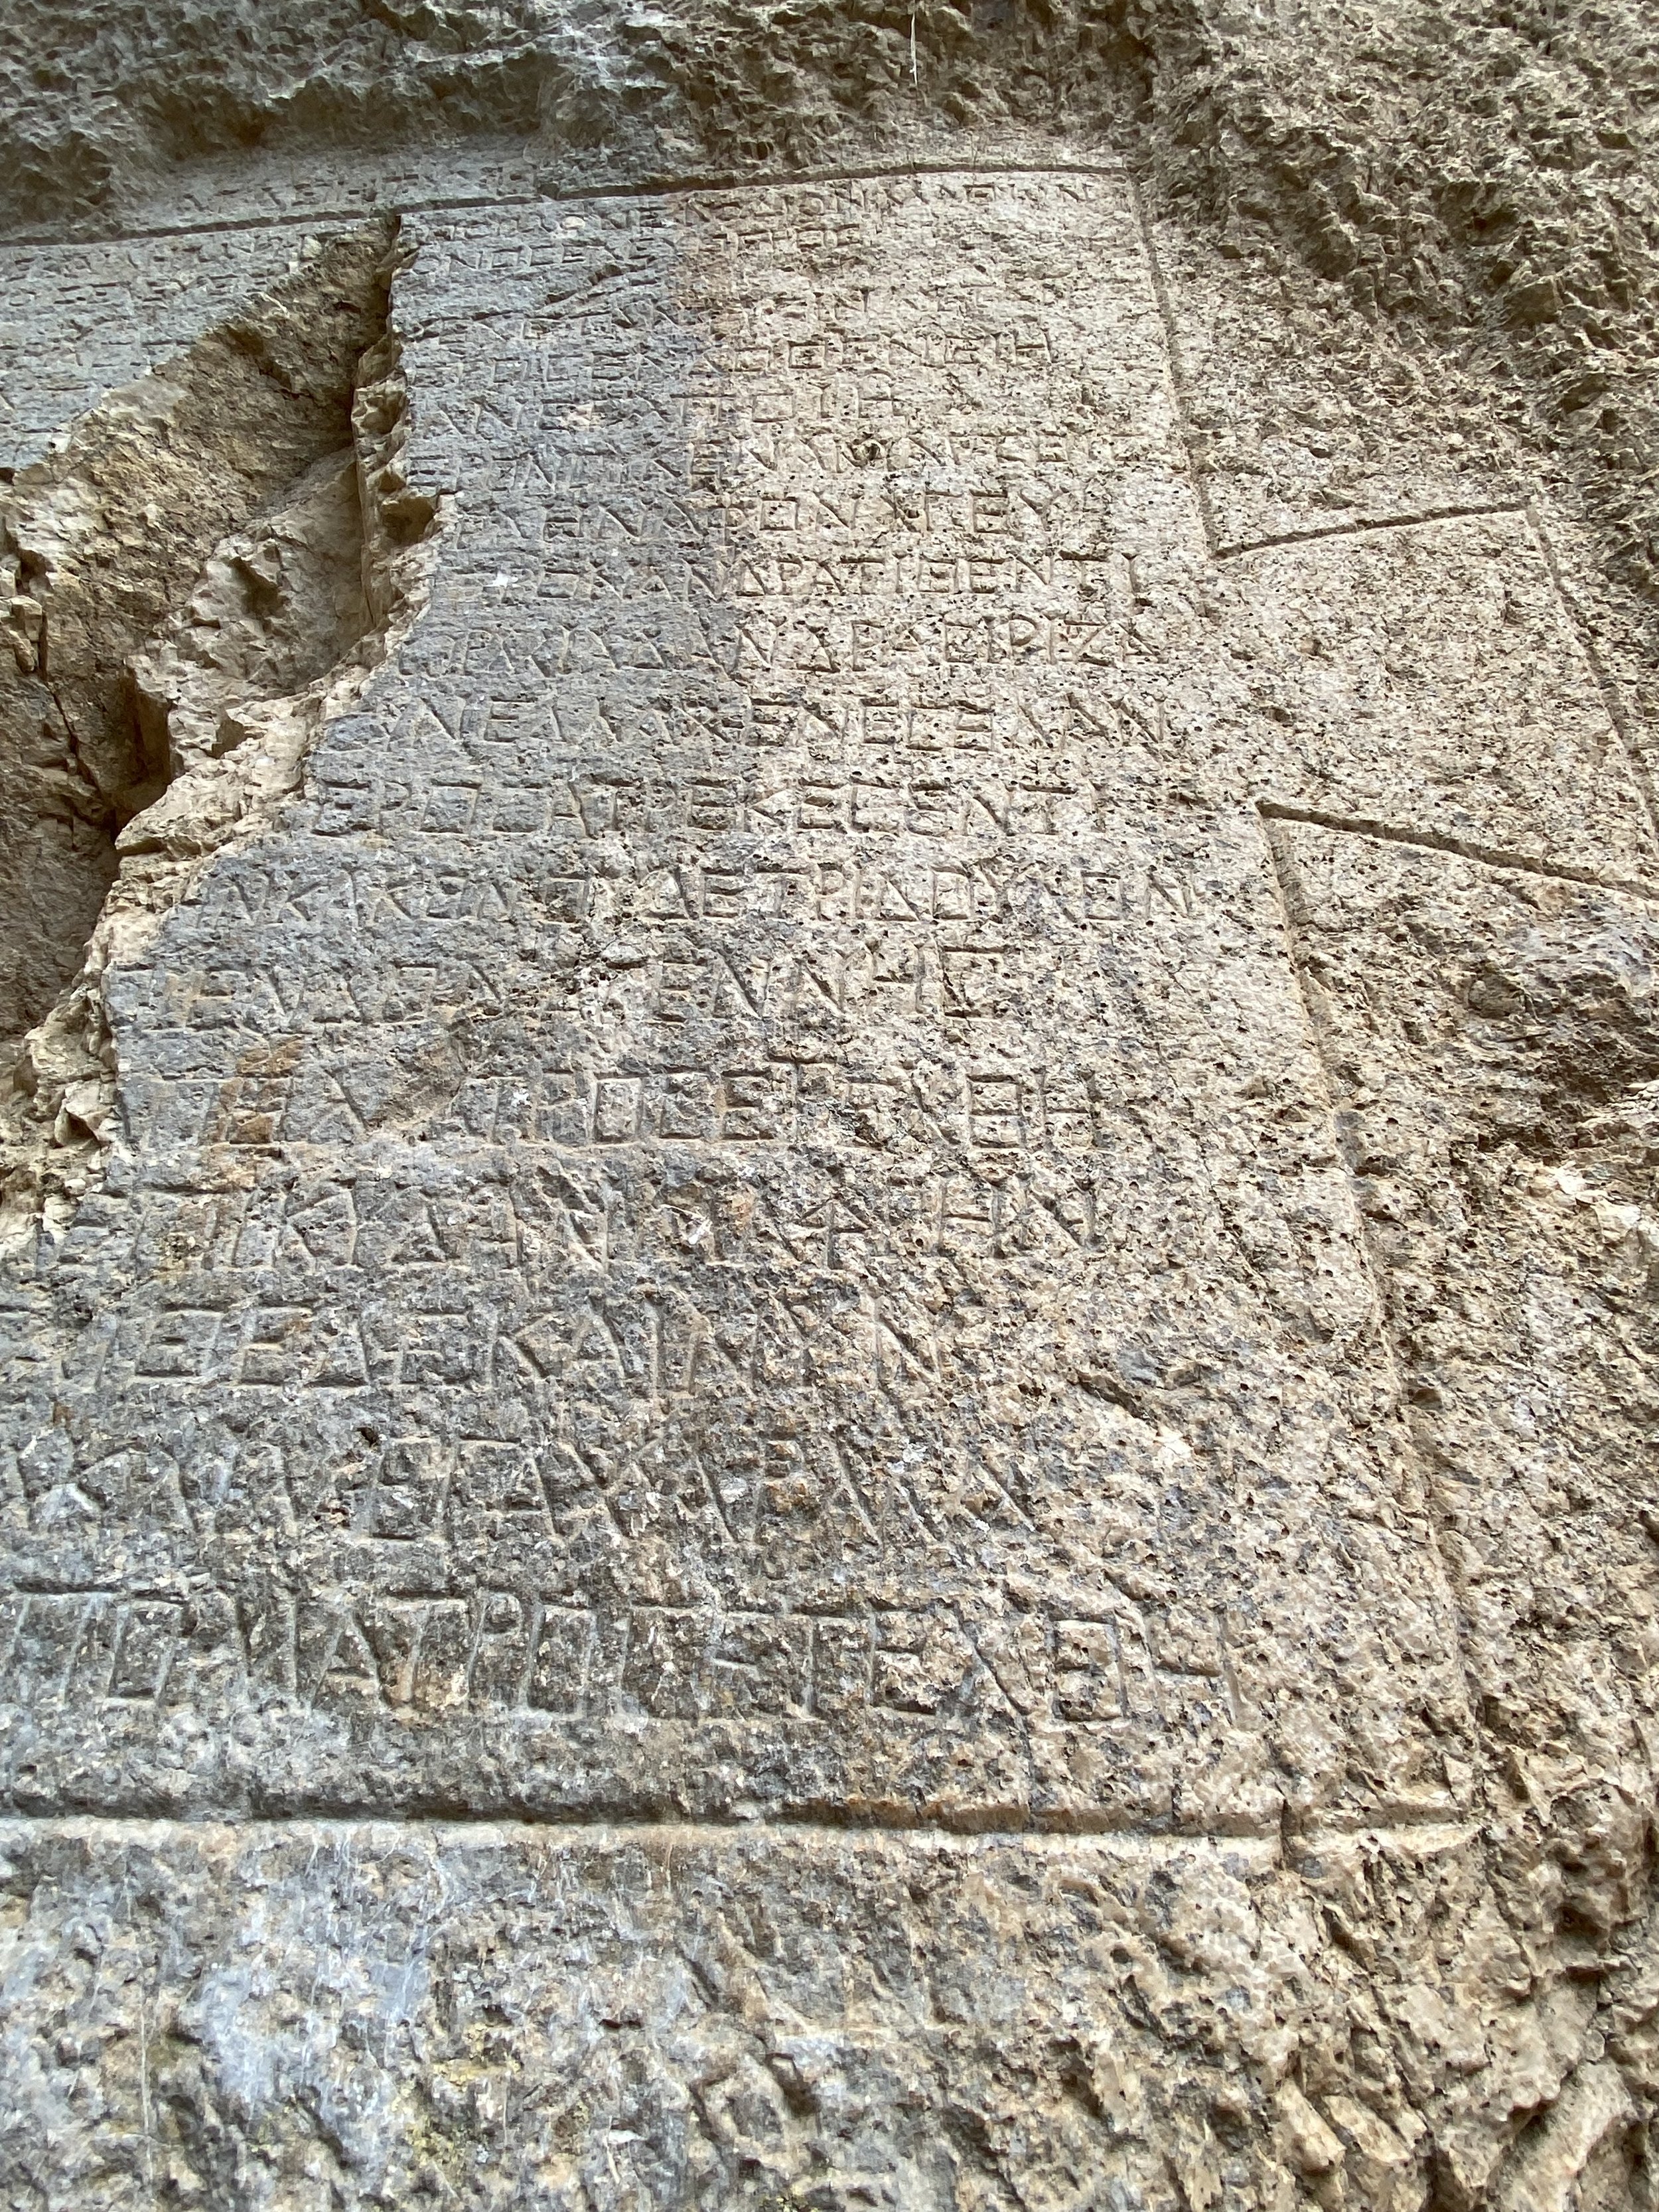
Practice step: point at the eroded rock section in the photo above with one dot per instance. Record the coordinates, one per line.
(206, 564)
(856, 1411)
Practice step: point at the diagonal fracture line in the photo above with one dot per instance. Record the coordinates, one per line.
(1466, 849)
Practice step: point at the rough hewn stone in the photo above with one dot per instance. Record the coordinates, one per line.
(829, 1288)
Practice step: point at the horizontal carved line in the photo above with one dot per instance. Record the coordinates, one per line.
(1364, 529)
(1430, 1829)
(1464, 848)
(992, 1822)
(368, 211)
(659, 188)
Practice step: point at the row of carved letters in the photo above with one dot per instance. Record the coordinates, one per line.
(496, 1650)
(721, 440)
(847, 804)
(655, 1351)
(610, 334)
(763, 1100)
(568, 572)
(717, 806)
(863, 512)
(540, 239)
(887, 970)
(538, 1206)
(738, 222)
(819, 800)
(571, 734)
(354, 795)
(669, 444)
(670, 635)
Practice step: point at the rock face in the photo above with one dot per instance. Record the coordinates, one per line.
(832, 1097)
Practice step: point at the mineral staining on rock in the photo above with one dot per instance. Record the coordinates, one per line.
(852, 1385)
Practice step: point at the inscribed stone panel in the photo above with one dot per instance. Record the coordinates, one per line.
(816, 1273)
(1431, 678)
(1309, 419)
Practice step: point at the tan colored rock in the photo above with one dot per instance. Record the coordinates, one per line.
(831, 1221)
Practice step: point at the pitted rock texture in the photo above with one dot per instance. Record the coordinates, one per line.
(99, 540)
(150, 716)
(1482, 176)
(828, 1293)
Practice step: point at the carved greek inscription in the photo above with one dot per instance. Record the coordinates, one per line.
(741, 1175)
(541, 1659)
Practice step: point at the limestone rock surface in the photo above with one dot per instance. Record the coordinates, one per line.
(828, 916)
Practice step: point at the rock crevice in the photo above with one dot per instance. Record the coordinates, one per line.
(212, 563)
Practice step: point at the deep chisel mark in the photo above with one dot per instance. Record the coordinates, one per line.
(679, 186)
(1427, 1830)
(1463, 848)
(1416, 521)
(1196, 467)
(967, 1823)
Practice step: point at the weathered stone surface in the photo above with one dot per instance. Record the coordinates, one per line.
(829, 1213)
